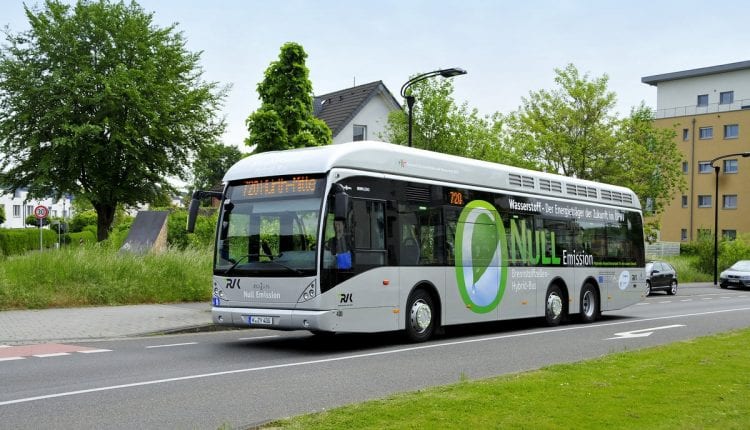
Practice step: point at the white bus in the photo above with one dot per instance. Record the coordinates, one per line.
(371, 237)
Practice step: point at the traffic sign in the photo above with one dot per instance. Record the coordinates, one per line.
(41, 212)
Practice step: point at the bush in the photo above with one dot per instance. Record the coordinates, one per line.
(82, 220)
(729, 252)
(20, 240)
(202, 237)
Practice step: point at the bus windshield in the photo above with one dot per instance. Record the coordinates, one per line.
(269, 235)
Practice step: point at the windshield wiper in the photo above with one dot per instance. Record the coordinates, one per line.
(292, 269)
(240, 260)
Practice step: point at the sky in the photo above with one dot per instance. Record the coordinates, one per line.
(509, 48)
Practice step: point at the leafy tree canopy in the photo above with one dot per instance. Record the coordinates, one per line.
(98, 102)
(211, 163)
(285, 119)
(571, 130)
(439, 124)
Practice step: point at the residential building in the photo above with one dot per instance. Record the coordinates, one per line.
(356, 113)
(18, 206)
(709, 109)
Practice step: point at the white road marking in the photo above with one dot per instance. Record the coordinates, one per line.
(258, 337)
(173, 344)
(94, 351)
(354, 357)
(645, 332)
(11, 358)
(54, 354)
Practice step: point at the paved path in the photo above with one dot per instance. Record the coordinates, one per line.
(77, 324)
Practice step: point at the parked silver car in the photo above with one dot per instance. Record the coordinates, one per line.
(736, 276)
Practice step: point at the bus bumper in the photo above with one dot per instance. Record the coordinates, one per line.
(275, 319)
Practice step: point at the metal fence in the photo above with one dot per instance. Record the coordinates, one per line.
(661, 249)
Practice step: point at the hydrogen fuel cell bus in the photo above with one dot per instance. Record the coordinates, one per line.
(372, 237)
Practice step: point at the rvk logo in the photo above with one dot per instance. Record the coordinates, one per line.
(346, 298)
(480, 249)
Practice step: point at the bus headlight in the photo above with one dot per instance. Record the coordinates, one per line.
(309, 293)
(219, 293)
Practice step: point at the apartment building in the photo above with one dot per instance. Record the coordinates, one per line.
(709, 108)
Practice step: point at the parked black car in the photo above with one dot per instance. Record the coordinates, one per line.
(661, 275)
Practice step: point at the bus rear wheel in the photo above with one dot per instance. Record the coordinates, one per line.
(420, 319)
(589, 304)
(554, 306)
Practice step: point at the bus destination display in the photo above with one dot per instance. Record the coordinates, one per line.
(279, 187)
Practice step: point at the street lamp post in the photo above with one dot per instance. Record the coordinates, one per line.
(446, 73)
(716, 209)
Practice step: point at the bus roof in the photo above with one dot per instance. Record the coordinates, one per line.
(387, 158)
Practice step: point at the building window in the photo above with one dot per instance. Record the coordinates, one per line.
(704, 201)
(730, 166)
(729, 234)
(704, 167)
(360, 132)
(731, 131)
(726, 97)
(706, 132)
(29, 210)
(16, 211)
(702, 100)
(685, 134)
(684, 201)
(685, 167)
(683, 234)
(730, 201)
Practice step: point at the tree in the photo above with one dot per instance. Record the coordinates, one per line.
(2, 214)
(438, 124)
(211, 163)
(97, 101)
(570, 130)
(285, 119)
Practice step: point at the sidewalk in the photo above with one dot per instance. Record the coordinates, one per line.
(81, 324)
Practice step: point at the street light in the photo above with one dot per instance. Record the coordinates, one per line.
(446, 73)
(716, 210)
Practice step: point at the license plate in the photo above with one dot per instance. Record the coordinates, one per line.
(260, 320)
(734, 281)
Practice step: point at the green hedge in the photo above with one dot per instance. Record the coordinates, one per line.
(20, 240)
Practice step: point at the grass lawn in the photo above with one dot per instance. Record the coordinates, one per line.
(698, 384)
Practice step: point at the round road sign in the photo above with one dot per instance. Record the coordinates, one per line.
(41, 212)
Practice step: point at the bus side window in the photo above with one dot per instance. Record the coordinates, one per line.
(451, 214)
(368, 225)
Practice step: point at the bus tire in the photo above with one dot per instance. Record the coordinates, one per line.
(589, 303)
(420, 316)
(554, 306)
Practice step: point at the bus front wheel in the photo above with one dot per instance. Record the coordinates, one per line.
(420, 319)
(554, 306)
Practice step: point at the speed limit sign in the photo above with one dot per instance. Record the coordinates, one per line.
(41, 212)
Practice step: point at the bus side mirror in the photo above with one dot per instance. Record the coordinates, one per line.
(195, 203)
(192, 214)
(341, 204)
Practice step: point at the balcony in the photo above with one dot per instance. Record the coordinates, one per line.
(700, 110)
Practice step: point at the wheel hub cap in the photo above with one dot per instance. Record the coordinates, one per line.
(421, 316)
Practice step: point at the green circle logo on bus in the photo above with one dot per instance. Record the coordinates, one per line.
(480, 248)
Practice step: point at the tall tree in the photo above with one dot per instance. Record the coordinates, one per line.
(285, 118)
(97, 101)
(570, 130)
(440, 125)
(211, 163)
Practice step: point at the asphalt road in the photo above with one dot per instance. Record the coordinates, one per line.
(247, 377)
